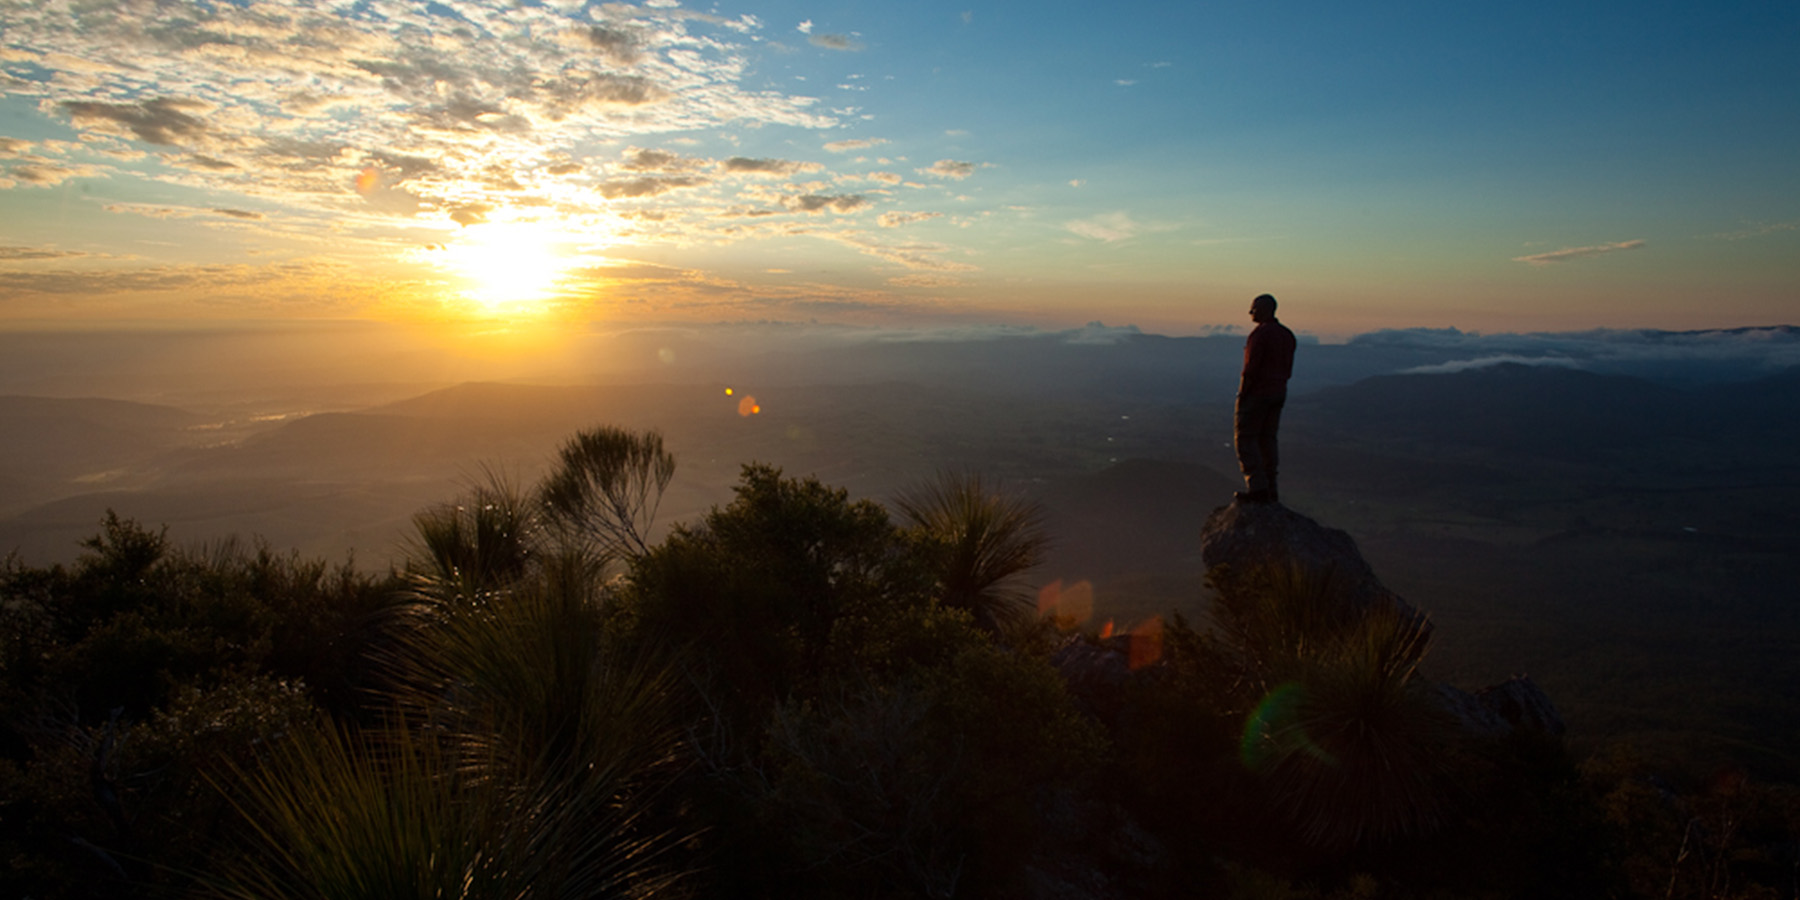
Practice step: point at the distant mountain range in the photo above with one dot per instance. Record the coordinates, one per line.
(1549, 411)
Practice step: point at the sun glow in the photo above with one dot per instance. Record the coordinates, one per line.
(510, 267)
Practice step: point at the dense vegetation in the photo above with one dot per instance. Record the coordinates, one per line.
(797, 696)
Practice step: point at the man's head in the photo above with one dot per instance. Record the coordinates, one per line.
(1262, 309)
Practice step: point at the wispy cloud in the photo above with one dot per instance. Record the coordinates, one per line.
(1564, 255)
(1761, 229)
(854, 144)
(777, 167)
(1634, 351)
(842, 42)
(1108, 227)
(380, 124)
(897, 219)
(949, 168)
(24, 253)
(1463, 365)
(169, 121)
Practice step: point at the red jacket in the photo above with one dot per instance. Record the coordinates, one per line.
(1268, 361)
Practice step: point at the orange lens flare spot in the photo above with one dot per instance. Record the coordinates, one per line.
(1146, 644)
(1069, 602)
(367, 181)
(747, 406)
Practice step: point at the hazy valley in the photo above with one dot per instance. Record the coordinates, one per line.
(1627, 540)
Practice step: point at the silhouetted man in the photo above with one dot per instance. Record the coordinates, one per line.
(1262, 391)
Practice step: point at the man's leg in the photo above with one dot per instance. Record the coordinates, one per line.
(1271, 455)
(1250, 434)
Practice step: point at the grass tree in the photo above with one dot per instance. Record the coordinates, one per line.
(606, 488)
(1351, 750)
(980, 540)
(520, 752)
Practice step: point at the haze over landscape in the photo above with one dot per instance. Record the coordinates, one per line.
(295, 270)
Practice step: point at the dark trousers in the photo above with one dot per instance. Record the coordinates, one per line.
(1254, 433)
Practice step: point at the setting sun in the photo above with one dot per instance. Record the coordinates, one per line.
(509, 266)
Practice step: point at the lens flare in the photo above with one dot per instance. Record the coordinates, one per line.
(1274, 730)
(1146, 644)
(1072, 603)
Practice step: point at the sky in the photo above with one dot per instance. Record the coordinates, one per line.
(1516, 167)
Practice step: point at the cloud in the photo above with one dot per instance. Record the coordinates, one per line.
(617, 45)
(372, 125)
(1712, 354)
(1100, 333)
(913, 255)
(1464, 365)
(470, 213)
(1108, 227)
(834, 42)
(897, 219)
(949, 168)
(1557, 256)
(637, 159)
(181, 212)
(853, 144)
(632, 188)
(48, 174)
(817, 203)
(26, 253)
(1761, 229)
(780, 167)
(164, 120)
(925, 280)
(151, 279)
(805, 27)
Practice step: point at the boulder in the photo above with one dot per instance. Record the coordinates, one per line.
(1244, 537)
(1514, 706)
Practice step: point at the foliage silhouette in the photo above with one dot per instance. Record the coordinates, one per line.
(606, 489)
(1350, 749)
(979, 542)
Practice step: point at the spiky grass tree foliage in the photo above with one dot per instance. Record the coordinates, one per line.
(528, 675)
(606, 488)
(1350, 749)
(979, 540)
(521, 751)
(395, 813)
(483, 540)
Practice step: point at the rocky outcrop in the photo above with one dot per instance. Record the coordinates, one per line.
(1245, 537)
(1514, 706)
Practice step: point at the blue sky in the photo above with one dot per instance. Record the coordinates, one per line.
(1526, 166)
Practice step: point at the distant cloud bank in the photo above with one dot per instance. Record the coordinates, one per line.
(1711, 355)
